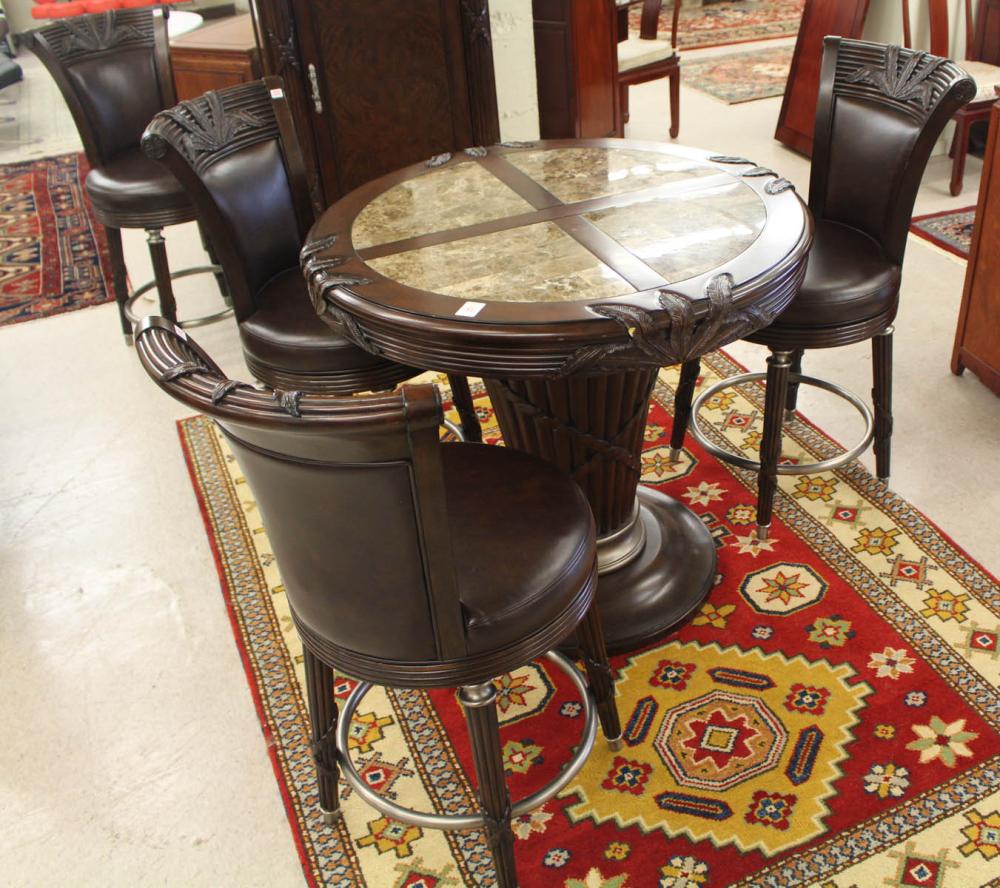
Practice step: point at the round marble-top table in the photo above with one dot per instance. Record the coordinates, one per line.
(566, 274)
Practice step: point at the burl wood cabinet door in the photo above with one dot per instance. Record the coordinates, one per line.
(840, 18)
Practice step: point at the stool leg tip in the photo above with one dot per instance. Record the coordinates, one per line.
(789, 415)
(331, 817)
(615, 743)
(762, 531)
(128, 340)
(675, 454)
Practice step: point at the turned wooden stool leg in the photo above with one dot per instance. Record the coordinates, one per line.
(961, 149)
(882, 400)
(479, 702)
(682, 406)
(461, 397)
(119, 278)
(793, 386)
(161, 272)
(590, 637)
(778, 367)
(675, 102)
(323, 715)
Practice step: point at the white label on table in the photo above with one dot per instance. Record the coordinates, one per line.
(470, 309)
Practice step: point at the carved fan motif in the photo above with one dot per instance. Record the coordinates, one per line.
(95, 33)
(210, 129)
(904, 85)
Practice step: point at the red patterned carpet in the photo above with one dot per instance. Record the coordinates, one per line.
(951, 230)
(53, 252)
(828, 718)
(718, 24)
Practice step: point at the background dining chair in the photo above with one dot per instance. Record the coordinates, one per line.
(113, 70)
(650, 56)
(861, 194)
(237, 155)
(982, 63)
(468, 594)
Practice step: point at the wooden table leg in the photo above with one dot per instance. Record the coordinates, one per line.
(656, 558)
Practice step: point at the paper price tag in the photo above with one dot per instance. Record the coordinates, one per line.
(470, 309)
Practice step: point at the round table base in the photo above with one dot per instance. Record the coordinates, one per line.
(652, 594)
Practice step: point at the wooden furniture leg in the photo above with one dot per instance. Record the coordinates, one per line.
(323, 715)
(778, 367)
(590, 637)
(961, 149)
(882, 400)
(682, 406)
(119, 278)
(461, 397)
(675, 102)
(161, 272)
(793, 387)
(479, 703)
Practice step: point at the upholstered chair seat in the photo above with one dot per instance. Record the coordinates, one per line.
(284, 335)
(636, 52)
(131, 190)
(987, 77)
(849, 279)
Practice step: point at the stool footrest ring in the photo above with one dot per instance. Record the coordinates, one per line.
(184, 272)
(743, 462)
(477, 820)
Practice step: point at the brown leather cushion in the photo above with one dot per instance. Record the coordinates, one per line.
(133, 185)
(286, 333)
(848, 280)
(522, 538)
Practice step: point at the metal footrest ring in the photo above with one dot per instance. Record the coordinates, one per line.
(467, 821)
(174, 275)
(454, 428)
(743, 462)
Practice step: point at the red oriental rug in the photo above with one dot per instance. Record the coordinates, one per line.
(950, 230)
(53, 252)
(828, 718)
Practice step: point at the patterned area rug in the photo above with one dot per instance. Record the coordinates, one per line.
(53, 252)
(828, 718)
(951, 230)
(742, 76)
(718, 24)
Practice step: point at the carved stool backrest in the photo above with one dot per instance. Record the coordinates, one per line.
(881, 110)
(236, 154)
(113, 70)
(352, 495)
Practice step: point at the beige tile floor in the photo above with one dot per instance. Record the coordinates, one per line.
(132, 754)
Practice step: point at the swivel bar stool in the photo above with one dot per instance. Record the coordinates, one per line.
(113, 70)
(881, 110)
(236, 153)
(395, 573)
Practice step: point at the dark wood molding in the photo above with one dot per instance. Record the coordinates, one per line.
(480, 73)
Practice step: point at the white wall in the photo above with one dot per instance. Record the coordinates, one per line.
(514, 64)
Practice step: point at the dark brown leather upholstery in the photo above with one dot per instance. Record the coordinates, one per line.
(113, 70)
(132, 189)
(394, 571)
(881, 110)
(849, 278)
(236, 153)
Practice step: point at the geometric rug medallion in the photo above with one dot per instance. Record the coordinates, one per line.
(828, 717)
(742, 76)
(53, 251)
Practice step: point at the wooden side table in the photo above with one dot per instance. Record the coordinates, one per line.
(220, 54)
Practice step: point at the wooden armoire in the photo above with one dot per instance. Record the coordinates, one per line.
(377, 85)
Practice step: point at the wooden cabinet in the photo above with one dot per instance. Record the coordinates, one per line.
(576, 61)
(216, 55)
(379, 84)
(842, 18)
(977, 340)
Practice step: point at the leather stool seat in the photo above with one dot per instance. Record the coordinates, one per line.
(849, 279)
(286, 334)
(132, 191)
(521, 540)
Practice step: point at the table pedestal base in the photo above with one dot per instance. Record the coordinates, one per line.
(646, 598)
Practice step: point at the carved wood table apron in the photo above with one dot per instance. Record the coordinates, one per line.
(566, 273)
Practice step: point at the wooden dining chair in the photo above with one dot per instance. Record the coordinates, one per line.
(982, 63)
(647, 56)
(397, 576)
(861, 194)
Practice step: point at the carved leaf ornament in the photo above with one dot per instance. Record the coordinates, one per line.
(95, 33)
(903, 84)
(209, 128)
